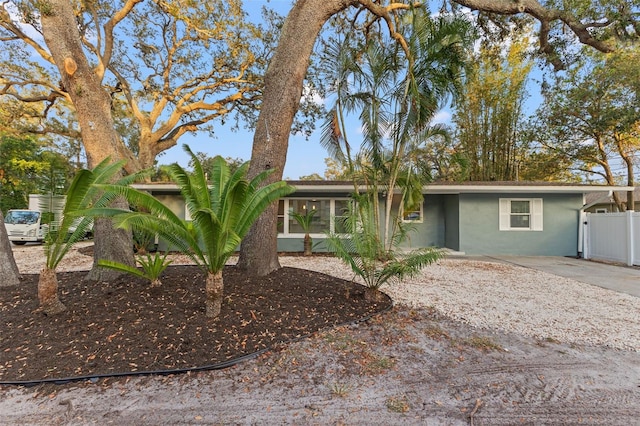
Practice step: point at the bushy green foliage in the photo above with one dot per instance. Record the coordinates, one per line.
(152, 266)
(221, 210)
(364, 251)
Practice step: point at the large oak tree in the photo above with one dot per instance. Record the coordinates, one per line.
(591, 116)
(595, 23)
(129, 78)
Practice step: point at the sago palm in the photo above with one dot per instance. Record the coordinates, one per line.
(363, 251)
(82, 195)
(222, 212)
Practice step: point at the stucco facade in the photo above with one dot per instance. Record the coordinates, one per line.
(473, 218)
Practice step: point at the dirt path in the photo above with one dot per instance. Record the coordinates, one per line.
(409, 366)
(404, 367)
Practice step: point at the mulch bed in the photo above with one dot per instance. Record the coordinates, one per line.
(127, 326)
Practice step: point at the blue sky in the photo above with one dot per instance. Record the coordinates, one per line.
(305, 156)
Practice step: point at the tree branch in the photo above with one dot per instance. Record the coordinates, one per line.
(8, 24)
(545, 16)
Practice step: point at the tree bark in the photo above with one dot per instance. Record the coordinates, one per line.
(214, 290)
(307, 244)
(50, 304)
(281, 98)
(9, 274)
(93, 109)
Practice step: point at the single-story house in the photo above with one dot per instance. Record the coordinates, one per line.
(474, 218)
(603, 202)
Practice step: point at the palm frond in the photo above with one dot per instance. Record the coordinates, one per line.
(79, 196)
(258, 201)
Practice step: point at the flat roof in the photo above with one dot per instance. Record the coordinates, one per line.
(328, 186)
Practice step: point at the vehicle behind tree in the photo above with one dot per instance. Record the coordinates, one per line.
(25, 226)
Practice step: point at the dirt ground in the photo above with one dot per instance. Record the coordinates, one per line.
(402, 367)
(405, 366)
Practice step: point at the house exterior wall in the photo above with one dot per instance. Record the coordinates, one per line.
(480, 233)
(465, 222)
(452, 221)
(431, 230)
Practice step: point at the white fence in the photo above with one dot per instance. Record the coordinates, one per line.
(613, 236)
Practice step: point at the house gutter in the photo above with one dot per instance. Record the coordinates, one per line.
(329, 187)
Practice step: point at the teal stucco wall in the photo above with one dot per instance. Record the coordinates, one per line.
(452, 221)
(431, 232)
(480, 233)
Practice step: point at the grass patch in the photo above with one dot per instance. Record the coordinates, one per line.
(339, 389)
(397, 404)
(482, 343)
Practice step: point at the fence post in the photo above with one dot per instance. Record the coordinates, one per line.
(584, 224)
(630, 247)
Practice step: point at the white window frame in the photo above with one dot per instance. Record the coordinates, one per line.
(535, 214)
(602, 210)
(332, 216)
(419, 220)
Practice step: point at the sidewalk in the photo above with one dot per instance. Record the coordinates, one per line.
(622, 279)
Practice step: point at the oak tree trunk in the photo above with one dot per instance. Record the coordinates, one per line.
(281, 98)
(214, 290)
(93, 108)
(9, 274)
(50, 304)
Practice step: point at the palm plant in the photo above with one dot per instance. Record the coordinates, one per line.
(362, 249)
(221, 213)
(396, 101)
(152, 267)
(305, 220)
(82, 194)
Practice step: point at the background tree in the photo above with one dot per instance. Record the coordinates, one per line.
(312, 176)
(488, 115)
(335, 170)
(166, 69)
(26, 167)
(559, 25)
(207, 162)
(591, 114)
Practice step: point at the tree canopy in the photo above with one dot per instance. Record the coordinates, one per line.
(168, 68)
(26, 167)
(591, 116)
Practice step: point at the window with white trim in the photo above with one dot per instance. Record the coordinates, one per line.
(328, 216)
(521, 214)
(412, 216)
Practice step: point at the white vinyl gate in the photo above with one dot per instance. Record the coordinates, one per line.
(613, 237)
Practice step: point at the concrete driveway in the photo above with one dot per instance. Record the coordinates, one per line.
(622, 279)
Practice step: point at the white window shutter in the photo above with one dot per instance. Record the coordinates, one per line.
(536, 214)
(505, 213)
